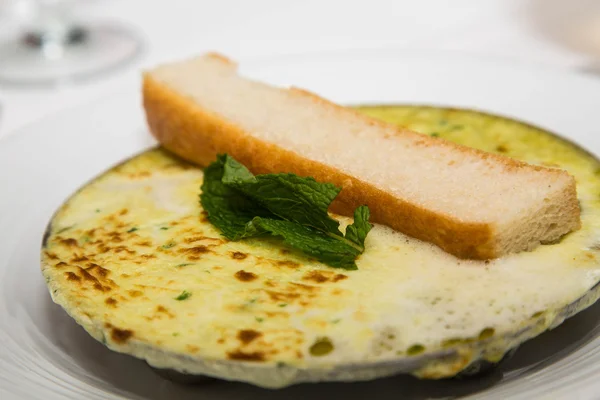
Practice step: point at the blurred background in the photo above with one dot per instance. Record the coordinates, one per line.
(55, 54)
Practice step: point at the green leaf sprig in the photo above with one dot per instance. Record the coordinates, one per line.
(242, 205)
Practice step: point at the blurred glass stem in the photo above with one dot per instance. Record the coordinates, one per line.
(50, 28)
(53, 47)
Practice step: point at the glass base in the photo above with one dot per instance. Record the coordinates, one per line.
(100, 49)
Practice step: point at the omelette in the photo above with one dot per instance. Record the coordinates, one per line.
(134, 260)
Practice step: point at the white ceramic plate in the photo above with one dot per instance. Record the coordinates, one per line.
(44, 354)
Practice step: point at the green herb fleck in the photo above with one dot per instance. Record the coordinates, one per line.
(97, 210)
(253, 300)
(66, 228)
(86, 239)
(168, 245)
(537, 314)
(321, 347)
(163, 228)
(287, 206)
(183, 296)
(486, 333)
(415, 349)
(175, 333)
(183, 265)
(435, 134)
(259, 319)
(283, 305)
(335, 321)
(135, 228)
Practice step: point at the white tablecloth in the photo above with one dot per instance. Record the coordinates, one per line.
(560, 33)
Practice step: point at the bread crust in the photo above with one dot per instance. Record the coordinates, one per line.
(198, 135)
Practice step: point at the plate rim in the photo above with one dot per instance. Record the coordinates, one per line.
(24, 133)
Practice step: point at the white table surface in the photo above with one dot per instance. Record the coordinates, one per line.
(558, 33)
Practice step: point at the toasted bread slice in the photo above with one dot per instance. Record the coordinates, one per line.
(468, 202)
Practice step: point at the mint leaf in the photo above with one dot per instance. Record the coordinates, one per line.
(228, 209)
(288, 206)
(325, 248)
(288, 196)
(357, 232)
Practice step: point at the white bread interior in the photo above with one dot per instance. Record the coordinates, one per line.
(470, 203)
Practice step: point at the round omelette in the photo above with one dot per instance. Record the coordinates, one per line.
(133, 259)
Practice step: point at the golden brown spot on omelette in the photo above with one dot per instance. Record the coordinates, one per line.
(123, 211)
(315, 276)
(78, 258)
(287, 263)
(194, 239)
(164, 310)
(116, 239)
(501, 149)
(111, 302)
(60, 264)
(285, 251)
(246, 356)
(87, 276)
(102, 248)
(135, 293)
(120, 249)
(195, 251)
(51, 256)
(101, 288)
(145, 243)
(275, 314)
(270, 283)
(238, 255)
(71, 276)
(248, 335)
(244, 276)
(70, 242)
(281, 296)
(323, 276)
(103, 272)
(191, 348)
(148, 256)
(302, 286)
(121, 335)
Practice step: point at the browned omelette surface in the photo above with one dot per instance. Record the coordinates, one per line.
(133, 259)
